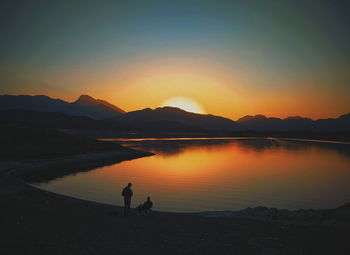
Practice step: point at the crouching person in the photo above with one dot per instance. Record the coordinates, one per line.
(146, 207)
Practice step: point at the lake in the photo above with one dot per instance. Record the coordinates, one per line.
(192, 175)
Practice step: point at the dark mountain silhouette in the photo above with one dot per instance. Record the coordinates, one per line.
(263, 123)
(84, 106)
(295, 123)
(21, 141)
(99, 116)
(88, 100)
(174, 119)
(342, 123)
(251, 119)
(75, 125)
(57, 120)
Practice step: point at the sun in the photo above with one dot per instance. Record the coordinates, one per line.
(184, 103)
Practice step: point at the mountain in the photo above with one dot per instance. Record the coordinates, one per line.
(260, 123)
(22, 141)
(90, 101)
(56, 120)
(174, 119)
(295, 123)
(84, 106)
(249, 118)
(342, 123)
(263, 123)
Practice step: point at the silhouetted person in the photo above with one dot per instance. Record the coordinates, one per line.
(145, 207)
(127, 194)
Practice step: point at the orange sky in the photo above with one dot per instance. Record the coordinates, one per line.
(231, 93)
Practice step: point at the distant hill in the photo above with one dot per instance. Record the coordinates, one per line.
(21, 141)
(84, 106)
(342, 123)
(57, 120)
(90, 101)
(296, 123)
(263, 123)
(174, 119)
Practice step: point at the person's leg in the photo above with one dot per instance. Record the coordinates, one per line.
(127, 207)
(125, 210)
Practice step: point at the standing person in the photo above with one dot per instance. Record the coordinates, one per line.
(127, 194)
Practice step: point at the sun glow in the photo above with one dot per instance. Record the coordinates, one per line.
(184, 103)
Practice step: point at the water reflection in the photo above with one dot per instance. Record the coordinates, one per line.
(198, 175)
(171, 147)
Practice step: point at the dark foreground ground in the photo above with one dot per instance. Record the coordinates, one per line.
(37, 222)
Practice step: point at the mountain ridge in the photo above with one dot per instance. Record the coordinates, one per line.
(88, 100)
(295, 123)
(148, 117)
(41, 103)
(160, 119)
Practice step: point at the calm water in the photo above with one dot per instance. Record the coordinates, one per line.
(218, 174)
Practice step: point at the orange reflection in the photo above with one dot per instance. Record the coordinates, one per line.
(224, 175)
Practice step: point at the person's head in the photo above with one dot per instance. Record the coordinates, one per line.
(129, 185)
(148, 198)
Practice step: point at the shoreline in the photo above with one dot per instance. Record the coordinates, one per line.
(20, 172)
(146, 139)
(16, 177)
(36, 221)
(336, 217)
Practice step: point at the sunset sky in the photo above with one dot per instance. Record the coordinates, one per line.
(233, 58)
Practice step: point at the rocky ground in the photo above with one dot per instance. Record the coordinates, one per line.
(338, 217)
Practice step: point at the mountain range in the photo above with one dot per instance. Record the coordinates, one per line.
(175, 119)
(295, 123)
(95, 114)
(84, 106)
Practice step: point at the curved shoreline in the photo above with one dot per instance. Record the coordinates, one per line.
(14, 173)
(326, 217)
(12, 181)
(36, 221)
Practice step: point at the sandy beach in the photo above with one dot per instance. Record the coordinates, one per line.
(39, 222)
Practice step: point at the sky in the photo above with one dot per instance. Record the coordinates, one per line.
(233, 58)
